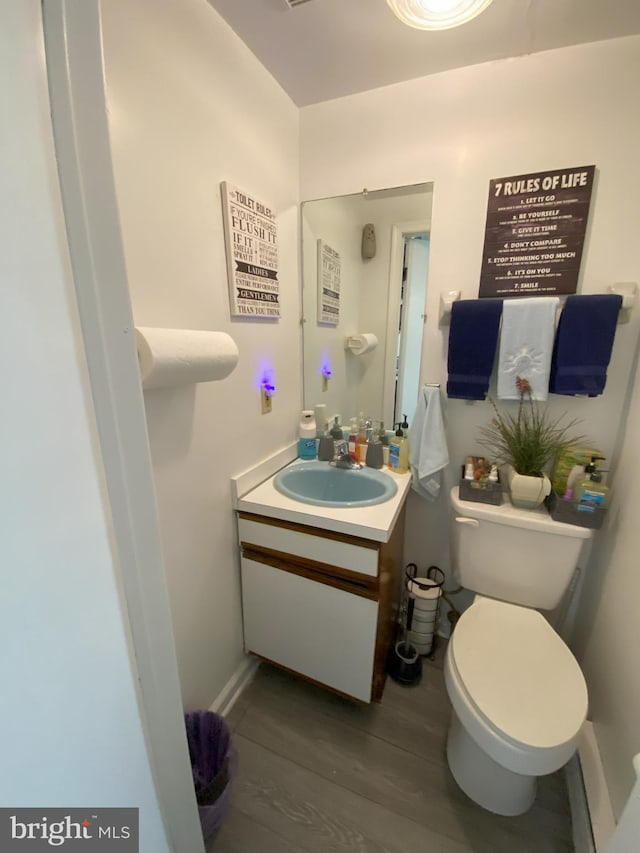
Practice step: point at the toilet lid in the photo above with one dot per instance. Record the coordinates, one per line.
(519, 674)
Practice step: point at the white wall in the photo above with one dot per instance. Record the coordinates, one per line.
(561, 108)
(608, 635)
(190, 106)
(71, 727)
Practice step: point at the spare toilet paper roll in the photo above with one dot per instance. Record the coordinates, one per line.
(183, 356)
(359, 344)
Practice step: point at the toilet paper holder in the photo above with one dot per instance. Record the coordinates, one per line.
(361, 343)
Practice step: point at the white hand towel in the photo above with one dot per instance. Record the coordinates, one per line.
(428, 452)
(526, 345)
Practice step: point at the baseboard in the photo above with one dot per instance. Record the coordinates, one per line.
(591, 812)
(240, 680)
(580, 817)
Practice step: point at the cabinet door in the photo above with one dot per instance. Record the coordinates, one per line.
(314, 629)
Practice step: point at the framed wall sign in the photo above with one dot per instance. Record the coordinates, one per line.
(535, 233)
(328, 285)
(251, 244)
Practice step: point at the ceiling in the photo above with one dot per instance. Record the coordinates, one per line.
(323, 49)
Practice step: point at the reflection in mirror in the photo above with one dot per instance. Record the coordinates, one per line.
(368, 281)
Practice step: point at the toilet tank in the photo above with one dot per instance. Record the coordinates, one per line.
(521, 556)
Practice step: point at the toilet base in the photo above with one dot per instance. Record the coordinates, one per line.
(486, 782)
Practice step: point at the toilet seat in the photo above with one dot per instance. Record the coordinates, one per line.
(516, 686)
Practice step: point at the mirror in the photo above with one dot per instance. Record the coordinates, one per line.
(363, 301)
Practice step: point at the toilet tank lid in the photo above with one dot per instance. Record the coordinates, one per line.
(532, 519)
(519, 674)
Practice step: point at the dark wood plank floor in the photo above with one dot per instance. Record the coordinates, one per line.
(319, 774)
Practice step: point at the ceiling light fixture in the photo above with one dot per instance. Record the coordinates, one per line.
(437, 14)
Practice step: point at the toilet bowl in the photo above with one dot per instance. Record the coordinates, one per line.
(519, 702)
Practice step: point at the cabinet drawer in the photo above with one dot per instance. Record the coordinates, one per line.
(358, 558)
(322, 632)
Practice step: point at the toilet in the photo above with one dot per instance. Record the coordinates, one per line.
(519, 697)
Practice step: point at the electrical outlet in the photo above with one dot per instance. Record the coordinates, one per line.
(266, 402)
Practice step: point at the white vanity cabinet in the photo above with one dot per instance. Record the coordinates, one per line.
(320, 603)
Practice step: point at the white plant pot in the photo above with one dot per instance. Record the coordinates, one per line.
(527, 492)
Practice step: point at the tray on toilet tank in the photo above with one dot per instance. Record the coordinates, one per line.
(568, 512)
(480, 491)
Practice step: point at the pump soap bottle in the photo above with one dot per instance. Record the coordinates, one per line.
(399, 452)
(592, 492)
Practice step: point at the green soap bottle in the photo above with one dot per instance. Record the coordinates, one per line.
(591, 493)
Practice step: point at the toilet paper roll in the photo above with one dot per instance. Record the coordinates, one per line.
(183, 356)
(359, 344)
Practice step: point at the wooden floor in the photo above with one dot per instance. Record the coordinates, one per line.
(319, 774)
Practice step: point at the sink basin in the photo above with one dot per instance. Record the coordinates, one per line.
(323, 485)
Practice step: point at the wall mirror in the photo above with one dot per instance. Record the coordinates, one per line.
(363, 301)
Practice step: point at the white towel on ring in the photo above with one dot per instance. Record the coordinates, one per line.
(428, 452)
(526, 345)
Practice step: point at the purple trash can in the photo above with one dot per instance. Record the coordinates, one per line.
(214, 762)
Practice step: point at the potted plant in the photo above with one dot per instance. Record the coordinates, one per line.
(527, 442)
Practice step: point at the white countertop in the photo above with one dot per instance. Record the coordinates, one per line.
(369, 522)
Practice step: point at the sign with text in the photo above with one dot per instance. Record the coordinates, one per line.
(251, 243)
(328, 284)
(535, 233)
(69, 829)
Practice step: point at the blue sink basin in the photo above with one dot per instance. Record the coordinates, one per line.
(323, 485)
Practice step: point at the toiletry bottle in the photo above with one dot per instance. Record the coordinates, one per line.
(576, 475)
(591, 494)
(353, 437)
(383, 438)
(326, 448)
(320, 413)
(399, 452)
(361, 442)
(468, 468)
(336, 430)
(374, 457)
(307, 440)
(405, 426)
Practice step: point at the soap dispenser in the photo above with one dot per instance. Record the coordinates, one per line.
(307, 440)
(336, 430)
(374, 455)
(592, 492)
(399, 452)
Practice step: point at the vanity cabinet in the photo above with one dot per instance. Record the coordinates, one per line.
(320, 603)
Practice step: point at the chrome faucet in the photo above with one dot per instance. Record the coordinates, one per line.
(342, 459)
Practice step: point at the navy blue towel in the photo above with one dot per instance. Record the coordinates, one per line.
(473, 340)
(583, 344)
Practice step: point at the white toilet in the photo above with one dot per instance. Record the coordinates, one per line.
(519, 697)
